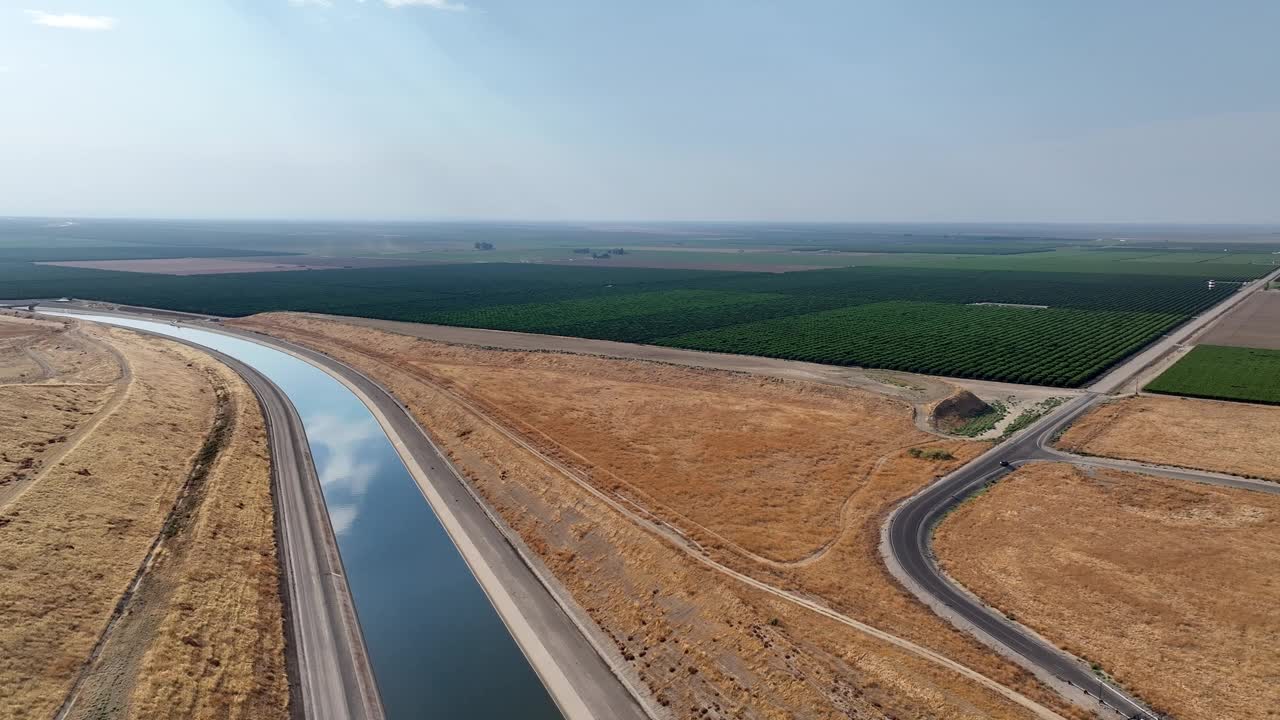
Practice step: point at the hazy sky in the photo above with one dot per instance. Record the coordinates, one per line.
(1025, 110)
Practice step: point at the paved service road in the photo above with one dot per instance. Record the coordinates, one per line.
(907, 546)
(333, 678)
(571, 663)
(908, 533)
(329, 672)
(1116, 378)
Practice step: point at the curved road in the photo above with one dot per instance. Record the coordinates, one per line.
(329, 672)
(908, 537)
(908, 532)
(332, 678)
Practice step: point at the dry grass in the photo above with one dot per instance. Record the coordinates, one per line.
(70, 355)
(76, 356)
(1169, 585)
(754, 460)
(743, 465)
(71, 547)
(219, 650)
(73, 542)
(1203, 434)
(36, 421)
(44, 409)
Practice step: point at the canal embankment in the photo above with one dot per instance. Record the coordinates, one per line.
(562, 647)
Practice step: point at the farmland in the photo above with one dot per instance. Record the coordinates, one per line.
(923, 320)
(1224, 373)
(117, 252)
(1045, 347)
(1052, 306)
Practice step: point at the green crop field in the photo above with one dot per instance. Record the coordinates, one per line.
(1061, 347)
(1230, 266)
(1224, 373)
(920, 319)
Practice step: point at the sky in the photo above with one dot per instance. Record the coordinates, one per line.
(795, 110)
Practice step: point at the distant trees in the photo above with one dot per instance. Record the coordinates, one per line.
(603, 255)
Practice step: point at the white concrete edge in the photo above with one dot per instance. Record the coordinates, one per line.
(586, 627)
(470, 552)
(317, 700)
(562, 691)
(540, 659)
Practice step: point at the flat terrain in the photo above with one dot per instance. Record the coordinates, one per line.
(56, 385)
(182, 266)
(188, 266)
(966, 319)
(228, 265)
(1167, 584)
(150, 490)
(623, 476)
(1202, 434)
(1223, 373)
(1254, 323)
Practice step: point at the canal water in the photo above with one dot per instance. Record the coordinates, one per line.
(438, 648)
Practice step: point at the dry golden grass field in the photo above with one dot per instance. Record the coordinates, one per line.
(216, 644)
(1169, 585)
(786, 481)
(82, 522)
(1225, 437)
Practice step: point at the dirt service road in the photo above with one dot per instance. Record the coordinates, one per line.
(583, 684)
(1115, 380)
(560, 646)
(329, 668)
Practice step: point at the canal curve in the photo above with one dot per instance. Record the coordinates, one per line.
(437, 646)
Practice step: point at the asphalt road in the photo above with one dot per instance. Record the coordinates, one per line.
(330, 676)
(330, 672)
(909, 530)
(908, 543)
(1116, 378)
(569, 639)
(908, 535)
(334, 680)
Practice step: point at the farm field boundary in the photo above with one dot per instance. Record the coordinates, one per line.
(1217, 372)
(936, 321)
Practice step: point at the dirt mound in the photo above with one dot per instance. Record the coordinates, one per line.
(958, 409)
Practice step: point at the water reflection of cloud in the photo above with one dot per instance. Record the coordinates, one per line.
(337, 445)
(341, 517)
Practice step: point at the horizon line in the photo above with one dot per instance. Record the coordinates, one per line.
(651, 221)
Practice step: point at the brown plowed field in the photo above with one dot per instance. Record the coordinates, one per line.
(1254, 323)
(1169, 585)
(187, 266)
